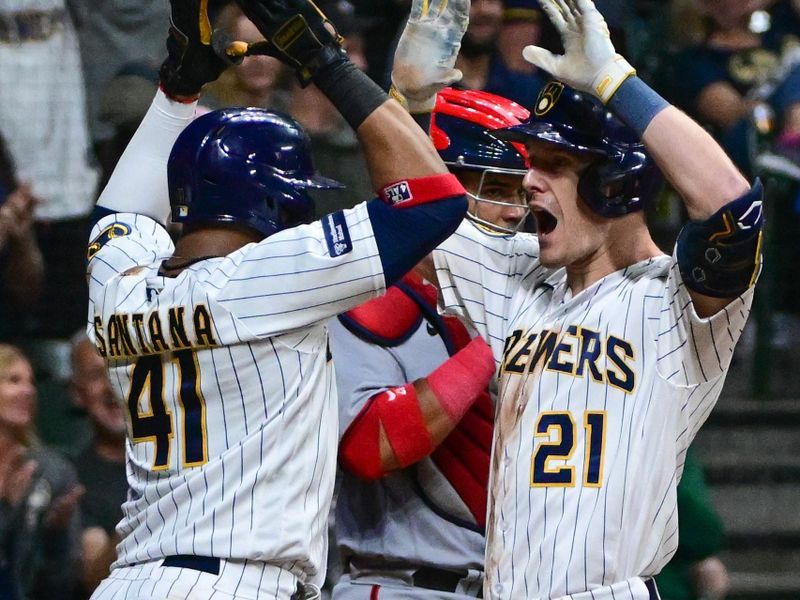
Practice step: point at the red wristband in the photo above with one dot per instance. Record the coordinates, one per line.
(412, 192)
(458, 382)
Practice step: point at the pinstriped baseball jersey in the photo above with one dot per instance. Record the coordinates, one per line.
(600, 395)
(237, 580)
(230, 389)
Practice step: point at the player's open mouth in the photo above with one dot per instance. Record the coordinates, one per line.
(545, 222)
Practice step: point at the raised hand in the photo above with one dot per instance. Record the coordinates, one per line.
(16, 214)
(426, 53)
(297, 33)
(193, 59)
(589, 63)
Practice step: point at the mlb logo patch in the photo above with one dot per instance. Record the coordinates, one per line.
(337, 235)
(398, 193)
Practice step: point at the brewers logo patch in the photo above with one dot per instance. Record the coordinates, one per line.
(547, 98)
(115, 230)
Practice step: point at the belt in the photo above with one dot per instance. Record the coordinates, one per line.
(30, 25)
(440, 580)
(469, 583)
(206, 564)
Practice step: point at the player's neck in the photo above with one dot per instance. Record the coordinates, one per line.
(629, 242)
(213, 241)
(208, 241)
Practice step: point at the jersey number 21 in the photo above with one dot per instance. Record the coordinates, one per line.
(545, 474)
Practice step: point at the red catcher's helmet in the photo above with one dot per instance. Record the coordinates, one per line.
(462, 130)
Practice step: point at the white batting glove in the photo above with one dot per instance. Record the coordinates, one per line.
(427, 51)
(589, 63)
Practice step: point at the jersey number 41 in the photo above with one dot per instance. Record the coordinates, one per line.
(157, 424)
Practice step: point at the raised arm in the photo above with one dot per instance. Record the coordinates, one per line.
(405, 168)
(394, 146)
(719, 249)
(22, 267)
(690, 159)
(425, 57)
(139, 181)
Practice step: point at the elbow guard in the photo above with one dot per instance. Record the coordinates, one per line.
(397, 411)
(721, 256)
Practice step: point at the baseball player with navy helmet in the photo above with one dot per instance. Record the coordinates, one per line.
(411, 509)
(610, 354)
(218, 342)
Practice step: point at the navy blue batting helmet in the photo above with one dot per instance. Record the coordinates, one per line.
(622, 177)
(243, 166)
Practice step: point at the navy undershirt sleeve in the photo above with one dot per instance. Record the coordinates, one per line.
(98, 213)
(406, 235)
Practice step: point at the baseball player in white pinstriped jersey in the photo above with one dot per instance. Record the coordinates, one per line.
(610, 354)
(218, 343)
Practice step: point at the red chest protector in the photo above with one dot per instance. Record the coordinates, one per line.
(394, 317)
(463, 457)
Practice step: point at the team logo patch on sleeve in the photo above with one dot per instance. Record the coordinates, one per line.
(115, 230)
(337, 235)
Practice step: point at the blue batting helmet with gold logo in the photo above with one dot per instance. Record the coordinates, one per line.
(622, 175)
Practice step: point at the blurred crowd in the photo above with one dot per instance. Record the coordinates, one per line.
(76, 77)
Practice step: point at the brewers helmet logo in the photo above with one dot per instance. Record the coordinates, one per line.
(548, 97)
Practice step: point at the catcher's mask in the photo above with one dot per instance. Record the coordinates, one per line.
(462, 130)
